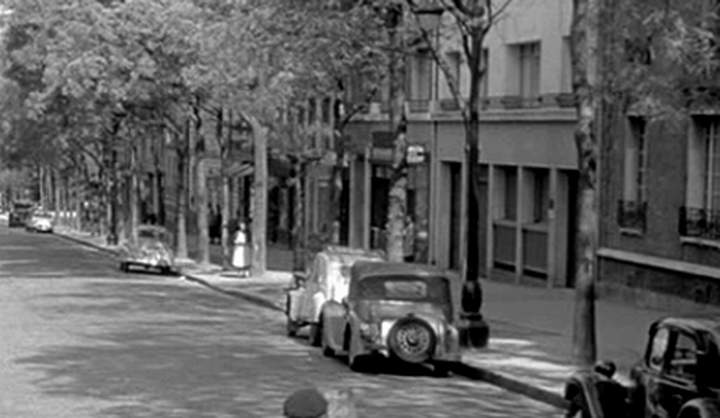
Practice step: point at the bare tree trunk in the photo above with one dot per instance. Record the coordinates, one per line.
(134, 202)
(259, 216)
(297, 232)
(181, 197)
(57, 195)
(585, 57)
(225, 209)
(397, 198)
(202, 199)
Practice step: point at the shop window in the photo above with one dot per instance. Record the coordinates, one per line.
(540, 195)
(510, 193)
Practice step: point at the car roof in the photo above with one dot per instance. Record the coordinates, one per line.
(703, 322)
(363, 269)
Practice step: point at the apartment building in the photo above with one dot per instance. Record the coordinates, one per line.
(527, 161)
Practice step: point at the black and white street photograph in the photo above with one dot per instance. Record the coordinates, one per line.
(360, 208)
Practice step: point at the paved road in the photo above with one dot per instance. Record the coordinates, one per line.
(79, 339)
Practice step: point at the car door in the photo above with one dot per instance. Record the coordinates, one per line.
(677, 384)
(670, 371)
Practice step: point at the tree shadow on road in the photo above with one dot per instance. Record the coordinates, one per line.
(154, 349)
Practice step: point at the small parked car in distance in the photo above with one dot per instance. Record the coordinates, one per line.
(398, 310)
(151, 251)
(40, 221)
(326, 280)
(678, 377)
(20, 213)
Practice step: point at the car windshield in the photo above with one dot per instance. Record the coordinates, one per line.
(151, 234)
(405, 288)
(44, 215)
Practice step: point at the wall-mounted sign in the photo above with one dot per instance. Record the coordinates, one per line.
(415, 154)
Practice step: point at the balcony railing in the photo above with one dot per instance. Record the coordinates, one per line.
(700, 223)
(631, 214)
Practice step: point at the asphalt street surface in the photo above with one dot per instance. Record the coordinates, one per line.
(81, 339)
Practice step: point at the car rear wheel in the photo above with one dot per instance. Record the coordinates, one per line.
(412, 340)
(124, 267)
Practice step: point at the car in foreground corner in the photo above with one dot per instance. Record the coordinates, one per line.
(326, 280)
(40, 221)
(678, 377)
(151, 251)
(401, 311)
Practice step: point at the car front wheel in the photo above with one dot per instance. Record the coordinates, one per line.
(577, 407)
(315, 334)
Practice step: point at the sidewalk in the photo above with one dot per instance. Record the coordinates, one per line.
(530, 328)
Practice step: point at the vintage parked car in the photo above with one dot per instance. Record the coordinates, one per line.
(399, 310)
(40, 221)
(20, 213)
(326, 280)
(678, 377)
(152, 250)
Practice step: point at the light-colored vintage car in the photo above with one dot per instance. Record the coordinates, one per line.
(326, 280)
(40, 221)
(151, 251)
(399, 310)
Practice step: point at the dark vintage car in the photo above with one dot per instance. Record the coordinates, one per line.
(678, 377)
(399, 310)
(20, 213)
(151, 251)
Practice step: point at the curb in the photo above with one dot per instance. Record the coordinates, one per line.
(512, 384)
(249, 296)
(86, 243)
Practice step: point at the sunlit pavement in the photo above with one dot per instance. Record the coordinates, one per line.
(80, 339)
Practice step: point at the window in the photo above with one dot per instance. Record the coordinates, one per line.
(658, 348)
(566, 70)
(540, 195)
(485, 65)
(510, 198)
(701, 215)
(683, 358)
(529, 69)
(420, 77)
(636, 161)
(709, 133)
(454, 60)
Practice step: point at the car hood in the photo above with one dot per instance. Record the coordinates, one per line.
(378, 310)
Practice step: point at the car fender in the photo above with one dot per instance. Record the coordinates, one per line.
(293, 305)
(584, 381)
(700, 407)
(334, 325)
(318, 300)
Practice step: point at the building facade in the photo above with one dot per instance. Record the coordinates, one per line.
(527, 160)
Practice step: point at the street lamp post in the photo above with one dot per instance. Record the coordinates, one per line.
(474, 12)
